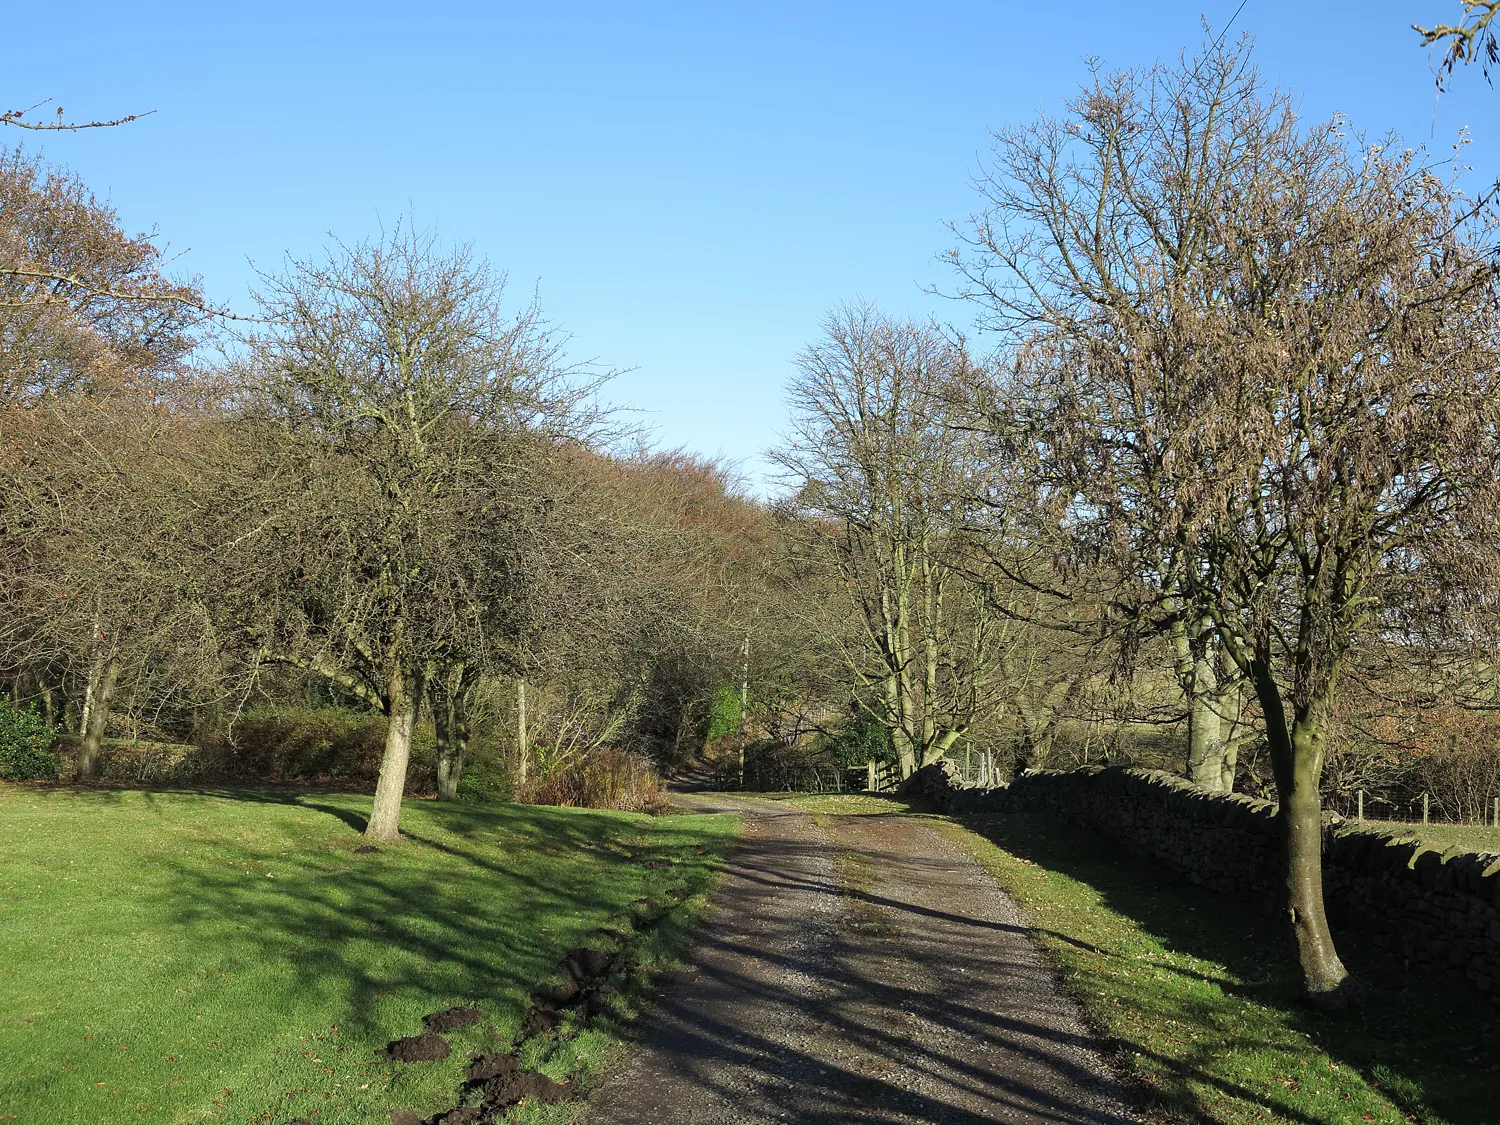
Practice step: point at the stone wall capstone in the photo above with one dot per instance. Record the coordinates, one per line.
(1439, 910)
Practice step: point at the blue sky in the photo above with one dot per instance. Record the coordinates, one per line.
(690, 187)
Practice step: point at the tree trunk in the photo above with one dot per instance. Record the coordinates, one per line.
(385, 813)
(1211, 756)
(1297, 761)
(96, 719)
(1229, 706)
(940, 746)
(906, 751)
(1205, 763)
(101, 690)
(448, 696)
(448, 766)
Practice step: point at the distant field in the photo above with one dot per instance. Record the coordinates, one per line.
(1469, 837)
(174, 957)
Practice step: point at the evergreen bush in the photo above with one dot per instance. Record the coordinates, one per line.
(26, 744)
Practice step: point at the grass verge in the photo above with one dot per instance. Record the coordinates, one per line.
(1203, 995)
(226, 956)
(840, 804)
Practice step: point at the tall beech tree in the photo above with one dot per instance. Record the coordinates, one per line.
(402, 419)
(1264, 356)
(888, 480)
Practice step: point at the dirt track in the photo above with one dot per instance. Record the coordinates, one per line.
(868, 971)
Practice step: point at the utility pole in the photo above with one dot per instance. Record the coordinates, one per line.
(522, 749)
(744, 701)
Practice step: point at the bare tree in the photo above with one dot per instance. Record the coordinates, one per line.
(84, 307)
(1271, 363)
(886, 477)
(1471, 39)
(1095, 235)
(400, 413)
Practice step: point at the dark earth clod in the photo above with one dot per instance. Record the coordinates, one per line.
(427, 1047)
(496, 1065)
(450, 1018)
(581, 964)
(500, 1093)
(539, 1021)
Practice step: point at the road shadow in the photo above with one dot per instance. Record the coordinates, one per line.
(807, 1001)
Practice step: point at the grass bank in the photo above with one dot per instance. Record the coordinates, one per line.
(1203, 995)
(227, 956)
(1464, 837)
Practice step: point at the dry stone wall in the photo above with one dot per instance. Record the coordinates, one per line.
(1438, 910)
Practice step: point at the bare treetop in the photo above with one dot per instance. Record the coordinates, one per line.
(1471, 39)
(60, 123)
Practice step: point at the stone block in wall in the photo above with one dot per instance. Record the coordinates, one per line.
(1428, 864)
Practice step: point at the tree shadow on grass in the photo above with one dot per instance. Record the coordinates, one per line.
(1429, 1044)
(473, 905)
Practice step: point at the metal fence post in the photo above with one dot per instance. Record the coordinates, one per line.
(1361, 806)
(1425, 799)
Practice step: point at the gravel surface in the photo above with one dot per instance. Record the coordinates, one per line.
(866, 971)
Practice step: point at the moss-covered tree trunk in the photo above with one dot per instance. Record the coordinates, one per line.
(451, 727)
(1296, 746)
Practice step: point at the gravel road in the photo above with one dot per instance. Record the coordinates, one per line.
(862, 970)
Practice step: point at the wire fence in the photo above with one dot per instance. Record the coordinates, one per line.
(1365, 807)
(780, 777)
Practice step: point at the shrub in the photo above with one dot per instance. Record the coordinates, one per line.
(26, 744)
(306, 744)
(723, 714)
(864, 739)
(145, 762)
(605, 779)
(486, 781)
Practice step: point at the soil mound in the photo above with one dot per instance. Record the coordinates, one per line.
(501, 1094)
(427, 1047)
(497, 1065)
(581, 964)
(367, 849)
(450, 1018)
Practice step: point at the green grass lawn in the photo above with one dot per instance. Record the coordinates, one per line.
(1203, 995)
(226, 956)
(1465, 837)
